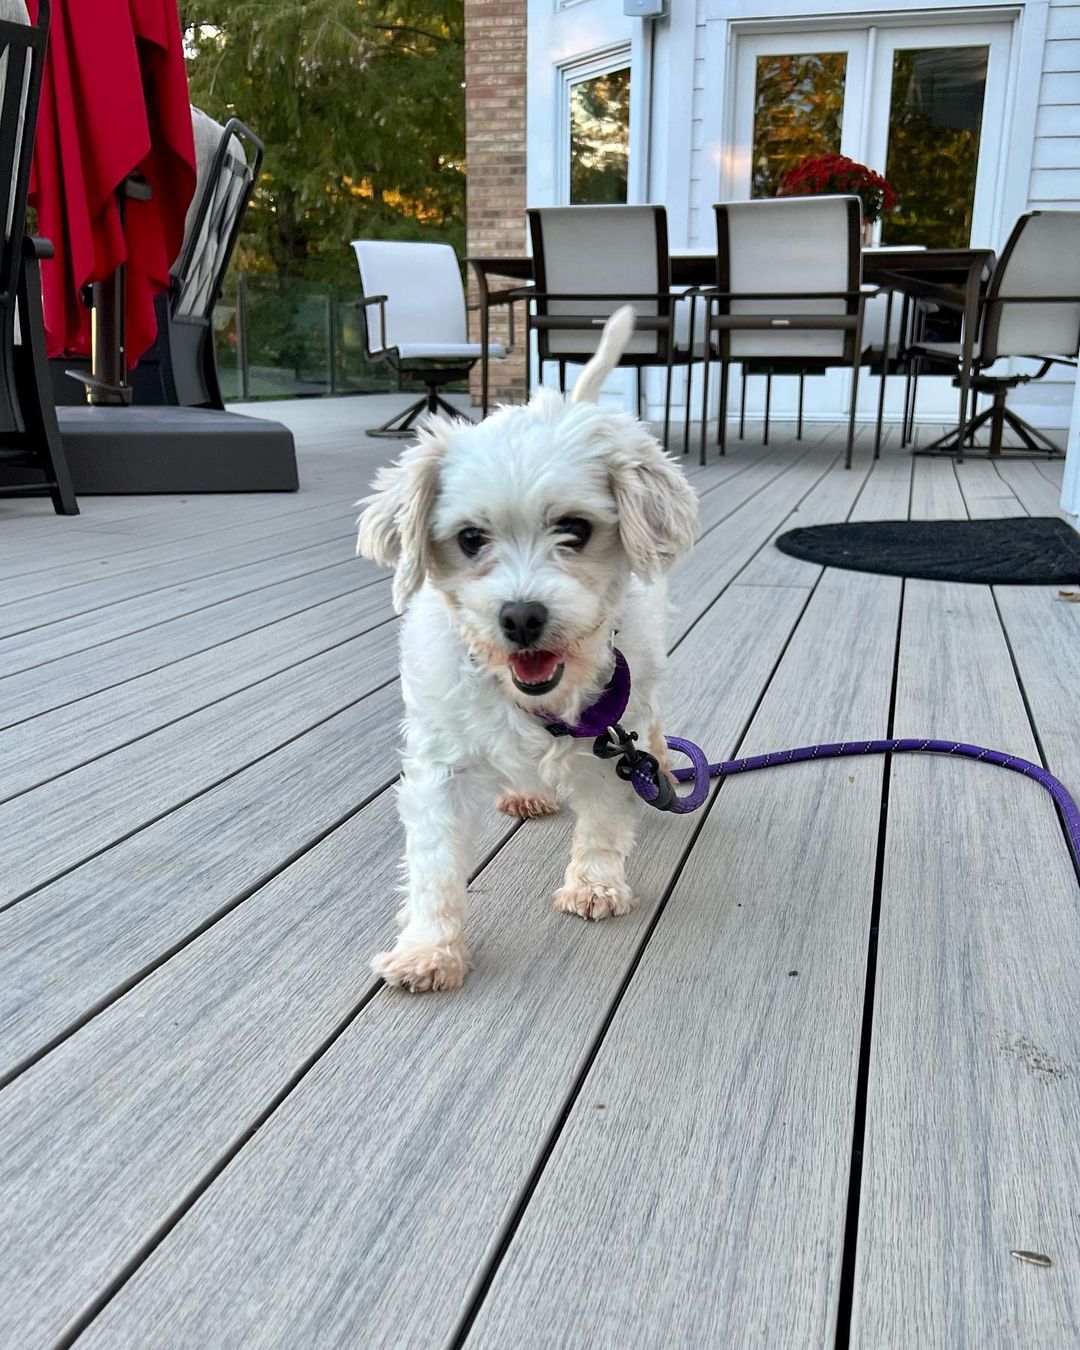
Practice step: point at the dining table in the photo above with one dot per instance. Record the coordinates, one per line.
(952, 278)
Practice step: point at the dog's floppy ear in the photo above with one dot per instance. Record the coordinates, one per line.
(658, 509)
(393, 529)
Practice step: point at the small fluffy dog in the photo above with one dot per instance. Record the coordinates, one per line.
(521, 546)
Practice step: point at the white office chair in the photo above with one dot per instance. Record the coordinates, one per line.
(1031, 309)
(420, 328)
(789, 296)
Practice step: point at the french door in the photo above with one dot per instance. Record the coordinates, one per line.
(923, 104)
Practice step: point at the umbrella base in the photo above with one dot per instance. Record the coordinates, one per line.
(116, 450)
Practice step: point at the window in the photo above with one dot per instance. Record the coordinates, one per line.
(935, 123)
(599, 136)
(923, 103)
(798, 112)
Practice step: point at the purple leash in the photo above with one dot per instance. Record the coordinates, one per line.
(642, 771)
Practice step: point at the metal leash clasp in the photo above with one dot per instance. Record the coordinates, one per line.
(617, 743)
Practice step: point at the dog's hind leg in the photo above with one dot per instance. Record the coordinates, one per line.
(607, 815)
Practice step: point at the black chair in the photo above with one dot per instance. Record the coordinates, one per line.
(180, 369)
(1031, 310)
(32, 460)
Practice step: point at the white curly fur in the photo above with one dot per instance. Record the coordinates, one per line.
(470, 733)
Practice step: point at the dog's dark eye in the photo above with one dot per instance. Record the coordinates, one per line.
(576, 530)
(471, 540)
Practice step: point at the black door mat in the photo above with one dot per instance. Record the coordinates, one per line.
(1021, 551)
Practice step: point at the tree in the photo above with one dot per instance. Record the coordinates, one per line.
(361, 108)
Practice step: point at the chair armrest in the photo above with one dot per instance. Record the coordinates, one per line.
(363, 304)
(34, 246)
(710, 292)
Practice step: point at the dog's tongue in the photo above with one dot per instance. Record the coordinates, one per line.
(534, 667)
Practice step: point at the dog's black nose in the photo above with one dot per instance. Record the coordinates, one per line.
(522, 621)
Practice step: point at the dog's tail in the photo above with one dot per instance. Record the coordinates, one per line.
(618, 331)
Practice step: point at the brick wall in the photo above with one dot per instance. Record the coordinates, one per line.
(495, 72)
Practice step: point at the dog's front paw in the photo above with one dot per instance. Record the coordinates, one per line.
(595, 900)
(526, 807)
(418, 968)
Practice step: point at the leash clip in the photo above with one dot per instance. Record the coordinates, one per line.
(617, 743)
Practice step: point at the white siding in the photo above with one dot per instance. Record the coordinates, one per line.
(1055, 163)
(1055, 172)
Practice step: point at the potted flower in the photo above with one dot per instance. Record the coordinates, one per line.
(824, 174)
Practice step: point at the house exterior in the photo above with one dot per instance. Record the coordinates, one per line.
(971, 110)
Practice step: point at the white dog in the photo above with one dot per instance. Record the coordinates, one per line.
(521, 546)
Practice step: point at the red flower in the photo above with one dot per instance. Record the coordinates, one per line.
(823, 174)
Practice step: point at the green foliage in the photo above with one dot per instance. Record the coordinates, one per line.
(600, 139)
(934, 145)
(798, 112)
(361, 107)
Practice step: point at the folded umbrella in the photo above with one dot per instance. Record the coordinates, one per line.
(114, 103)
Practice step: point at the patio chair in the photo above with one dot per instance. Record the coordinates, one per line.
(589, 260)
(180, 369)
(789, 297)
(420, 328)
(1030, 310)
(32, 459)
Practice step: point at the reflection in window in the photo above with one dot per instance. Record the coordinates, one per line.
(798, 112)
(935, 119)
(600, 138)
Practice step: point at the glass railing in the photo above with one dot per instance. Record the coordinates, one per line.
(292, 339)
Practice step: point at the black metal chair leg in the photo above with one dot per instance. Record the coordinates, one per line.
(742, 401)
(39, 411)
(562, 377)
(667, 405)
(802, 391)
(725, 369)
(768, 403)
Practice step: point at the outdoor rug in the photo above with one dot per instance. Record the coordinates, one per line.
(1025, 551)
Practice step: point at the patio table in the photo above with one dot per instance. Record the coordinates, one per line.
(951, 277)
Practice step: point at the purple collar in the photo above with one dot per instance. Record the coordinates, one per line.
(605, 712)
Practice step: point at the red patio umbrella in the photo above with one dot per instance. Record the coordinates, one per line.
(114, 102)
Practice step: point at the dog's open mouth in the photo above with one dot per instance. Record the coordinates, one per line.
(535, 672)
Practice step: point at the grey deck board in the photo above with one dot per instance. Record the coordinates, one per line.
(1044, 637)
(59, 741)
(123, 659)
(59, 825)
(77, 943)
(22, 617)
(218, 1129)
(487, 1074)
(1040, 496)
(986, 493)
(100, 563)
(144, 612)
(717, 1181)
(935, 493)
(830, 499)
(973, 1101)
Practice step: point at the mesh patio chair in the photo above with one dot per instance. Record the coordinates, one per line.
(589, 260)
(32, 459)
(419, 325)
(1031, 309)
(789, 297)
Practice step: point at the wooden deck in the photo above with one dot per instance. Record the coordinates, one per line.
(813, 1093)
